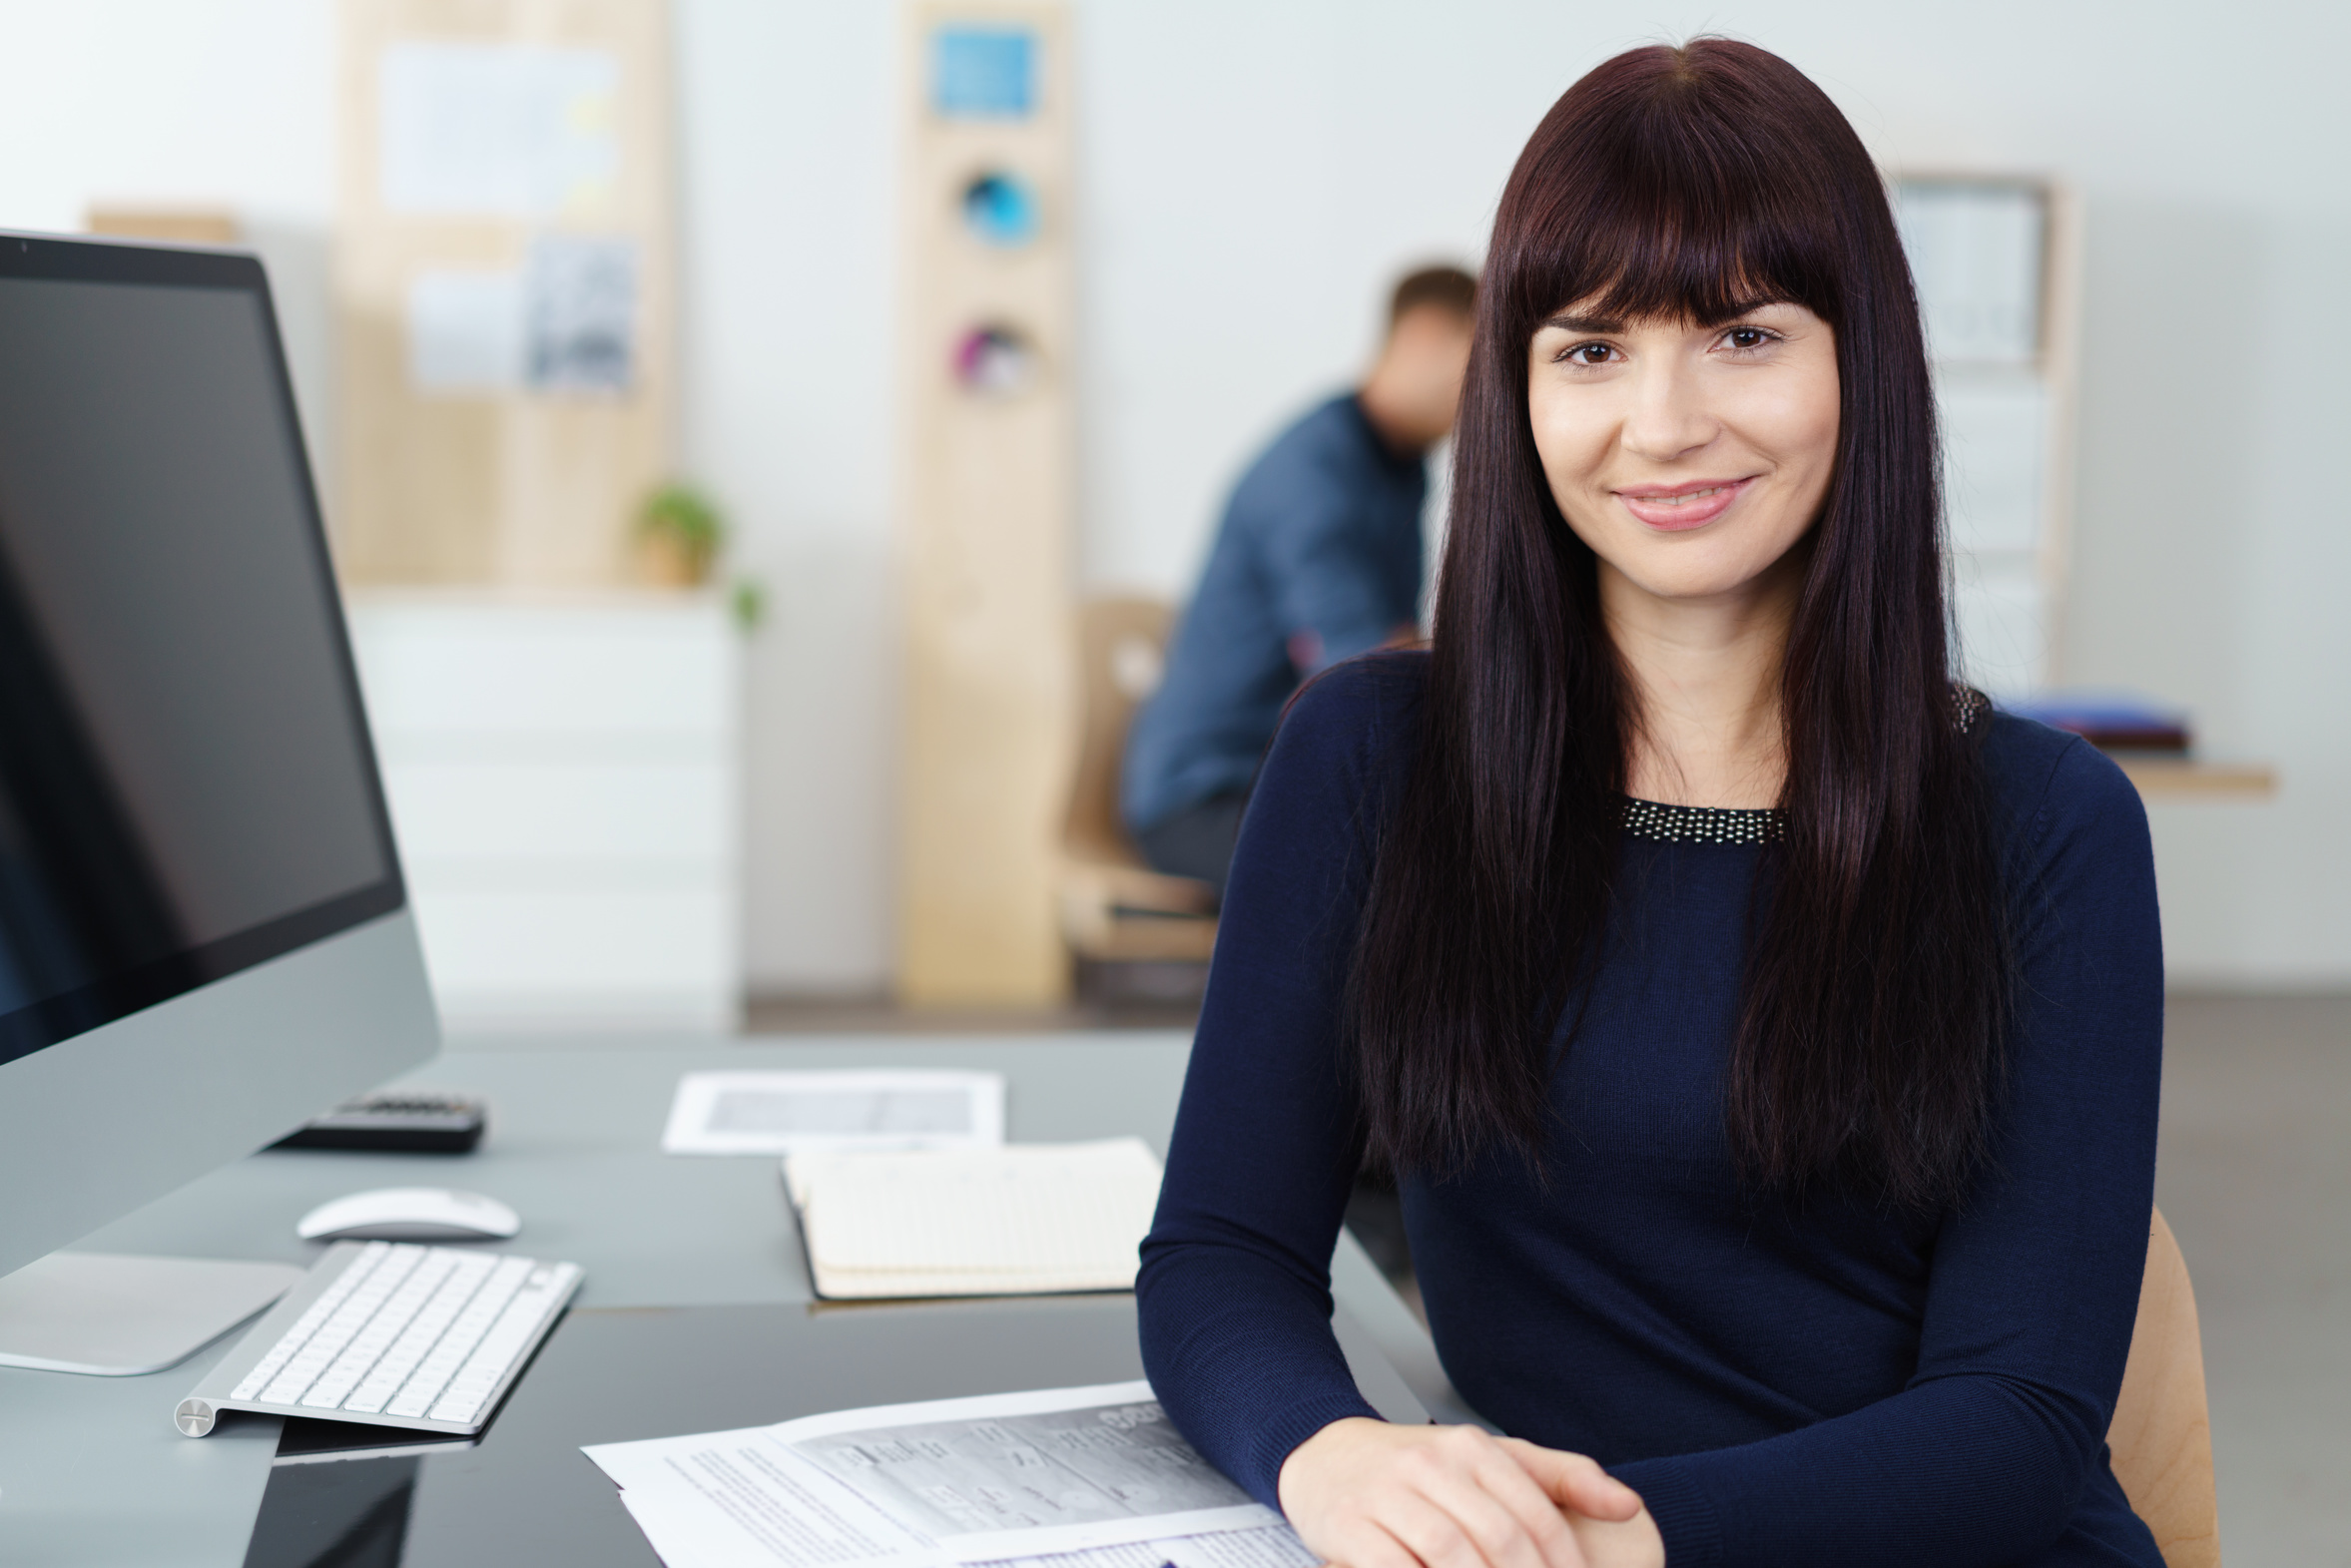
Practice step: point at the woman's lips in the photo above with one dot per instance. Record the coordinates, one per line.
(1674, 508)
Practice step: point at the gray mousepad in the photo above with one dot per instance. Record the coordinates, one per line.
(525, 1493)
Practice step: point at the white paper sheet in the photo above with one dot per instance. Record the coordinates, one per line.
(775, 1113)
(1053, 1475)
(583, 314)
(1025, 1218)
(1976, 252)
(465, 333)
(498, 129)
(1270, 1546)
(1992, 433)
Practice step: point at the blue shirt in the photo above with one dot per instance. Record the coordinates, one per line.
(1818, 1385)
(1318, 559)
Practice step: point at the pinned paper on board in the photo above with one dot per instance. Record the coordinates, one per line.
(1994, 430)
(984, 73)
(1976, 249)
(583, 314)
(565, 321)
(2004, 632)
(508, 131)
(465, 333)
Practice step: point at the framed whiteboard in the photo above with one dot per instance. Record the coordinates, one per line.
(1995, 259)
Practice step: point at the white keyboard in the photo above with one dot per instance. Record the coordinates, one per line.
(391, 1335)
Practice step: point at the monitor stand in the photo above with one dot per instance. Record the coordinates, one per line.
(115, 1316)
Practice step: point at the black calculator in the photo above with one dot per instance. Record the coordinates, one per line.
(395, 1122)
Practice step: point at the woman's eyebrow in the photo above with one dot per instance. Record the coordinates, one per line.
(1586, 323)
(1746, 307)
(1569, 321)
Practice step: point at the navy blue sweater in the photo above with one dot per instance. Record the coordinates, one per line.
(1819, 1385)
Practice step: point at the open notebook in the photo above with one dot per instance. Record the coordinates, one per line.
(1017, 1220)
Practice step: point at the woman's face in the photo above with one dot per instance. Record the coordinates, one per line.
(1691, 458)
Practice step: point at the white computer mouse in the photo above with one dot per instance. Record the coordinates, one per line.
(410, 1214)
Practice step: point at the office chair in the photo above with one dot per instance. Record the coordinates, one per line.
(1114, 907)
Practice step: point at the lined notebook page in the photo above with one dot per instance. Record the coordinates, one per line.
(1015, 1220)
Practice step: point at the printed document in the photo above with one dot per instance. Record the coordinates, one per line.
(1063, 1478)
(777, 1113)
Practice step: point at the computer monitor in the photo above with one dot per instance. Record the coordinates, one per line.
(205, 938)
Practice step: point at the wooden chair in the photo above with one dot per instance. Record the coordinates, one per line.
(1114, 907)
(2161, 1436)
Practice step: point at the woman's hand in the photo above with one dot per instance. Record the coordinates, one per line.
(1368, 1494)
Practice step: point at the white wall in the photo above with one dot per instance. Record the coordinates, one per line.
(1252, 173)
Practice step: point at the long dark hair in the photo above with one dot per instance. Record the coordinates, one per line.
(1691, 183)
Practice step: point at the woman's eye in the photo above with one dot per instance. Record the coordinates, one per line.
(1588, 355)
(1747, 337)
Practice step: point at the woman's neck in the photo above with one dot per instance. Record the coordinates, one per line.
(1706, 679)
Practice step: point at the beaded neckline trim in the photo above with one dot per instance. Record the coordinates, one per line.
(1754, 824)
(1703, 824)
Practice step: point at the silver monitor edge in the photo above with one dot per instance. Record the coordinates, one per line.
(98, 1125)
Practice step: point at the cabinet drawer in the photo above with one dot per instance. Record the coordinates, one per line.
(581, 813)
(433, 669)
(580, 944)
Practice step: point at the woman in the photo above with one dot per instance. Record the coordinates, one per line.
(1765, 1034)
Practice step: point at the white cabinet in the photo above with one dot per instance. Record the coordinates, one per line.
(563, 779)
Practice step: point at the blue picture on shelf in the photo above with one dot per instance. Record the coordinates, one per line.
(984, 73)
(1001, 208)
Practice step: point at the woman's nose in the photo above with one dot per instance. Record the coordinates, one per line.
(1668, 419)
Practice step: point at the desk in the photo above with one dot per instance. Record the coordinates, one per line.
(92, 1472)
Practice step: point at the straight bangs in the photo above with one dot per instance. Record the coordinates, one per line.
(1668, 210)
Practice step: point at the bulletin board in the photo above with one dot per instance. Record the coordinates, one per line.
(503, 288)
(1997, 262)
(986, 499)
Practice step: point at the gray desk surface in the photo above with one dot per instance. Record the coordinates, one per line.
(92, 1472)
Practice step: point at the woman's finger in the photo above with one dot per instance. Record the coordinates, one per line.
(1507, 1482)
(1430, 1533)
(1501, 1537)
(1574, 1481)
(1363, 1544)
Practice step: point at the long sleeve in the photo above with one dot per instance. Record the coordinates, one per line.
(1818, 1385)
(1331, 590)
(1234, 1293)
(1984, 1456)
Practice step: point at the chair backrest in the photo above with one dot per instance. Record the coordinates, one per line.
(1122, 643)
(2161, 1436)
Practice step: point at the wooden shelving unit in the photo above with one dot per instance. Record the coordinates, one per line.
(2165, 779)
(987, 501)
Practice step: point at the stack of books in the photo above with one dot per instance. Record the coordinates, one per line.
(2111, 721)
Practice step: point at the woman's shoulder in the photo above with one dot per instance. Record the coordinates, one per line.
(1371, 701)
(2050, 786)
(1352, 727)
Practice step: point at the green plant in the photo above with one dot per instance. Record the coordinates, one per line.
(748, 600)
(688, 521)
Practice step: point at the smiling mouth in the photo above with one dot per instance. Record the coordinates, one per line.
(1679, 509)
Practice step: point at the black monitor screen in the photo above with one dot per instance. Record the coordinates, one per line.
(185, 783)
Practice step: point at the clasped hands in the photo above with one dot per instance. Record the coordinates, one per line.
(1367, 1495)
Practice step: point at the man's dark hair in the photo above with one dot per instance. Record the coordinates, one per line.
(1449, 286)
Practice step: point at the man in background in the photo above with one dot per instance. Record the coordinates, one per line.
(1318, 559)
